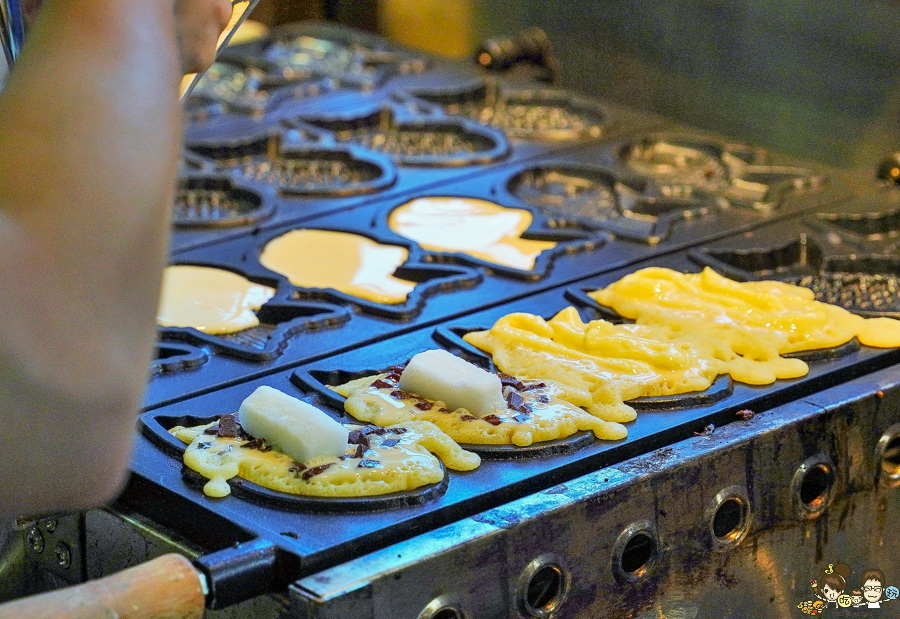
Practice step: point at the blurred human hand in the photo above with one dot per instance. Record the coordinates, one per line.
(198, 25)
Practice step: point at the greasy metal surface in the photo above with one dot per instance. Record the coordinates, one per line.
(672, 494)
(320, 540)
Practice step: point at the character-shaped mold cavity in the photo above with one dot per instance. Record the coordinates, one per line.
(802, 256)
(300, 169)
(230, 85)
(526, 114)
(204, 304)
(477, 228)
(177, 356)
(634, 208)
(736, 172)
(419, 142)
(383, 468)
(873, 226)
(217, 201)
(358, 270)
(213, 301)
(295, 55)
(865, 285)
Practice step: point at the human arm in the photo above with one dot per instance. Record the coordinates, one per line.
(89, 137)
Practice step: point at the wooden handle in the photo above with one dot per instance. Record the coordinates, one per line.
(167, 587)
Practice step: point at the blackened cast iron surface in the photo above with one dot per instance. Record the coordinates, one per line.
(598, 255)
(327, 539)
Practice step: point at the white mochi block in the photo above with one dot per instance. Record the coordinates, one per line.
(439, 375)
(294, 427)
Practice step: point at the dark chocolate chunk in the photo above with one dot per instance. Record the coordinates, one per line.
(379, 431)
(368, 464)
(212, 430)
(393, 377)
(203, 445)
(367, 430)
(535, 386)
(389, 442)
(361, 450)
(383, 384)
(424, 405)
(543, 399)
(510, 381)
(228, 426)
(316, 470)
(296, 468)
(493, 420)
(444, 410)
(357, 437)
(398, 430)
(403, 395)
(514, 400)
(521, 417)
(466, 418)
(254, 444)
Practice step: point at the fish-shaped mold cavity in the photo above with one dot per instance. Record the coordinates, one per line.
(219, 200)
(344, 267)
(530, 114)
(489, 234)
(209, 306)
(299, 169)
(737, 172)
(416, 140)
(631, 207)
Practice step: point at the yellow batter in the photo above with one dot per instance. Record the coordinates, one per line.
(400, 459)
(346, 262)
(688, 330)
(479, 228)
(211, 300)
(539, 412)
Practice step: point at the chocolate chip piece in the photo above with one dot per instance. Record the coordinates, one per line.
(367, 430)
(466, 418)
(393, 377)
(514, 400)
(543, 399)
(379, 431)
(361, 450)
(357, 438)
(493, 420)
(403, 395)
(521, 417)
(316, 470)
(398, 430)
(368, 464)
(535, 386)
(254, 444)
(444, 410)
(228, 426)
(203, 445)
(212, 430)
(424, 405)
(510, 381)
(296, 468)
(383, 384)
(389, 442)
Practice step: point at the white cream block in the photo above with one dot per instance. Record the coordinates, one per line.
(439, 375)
(298, 429)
